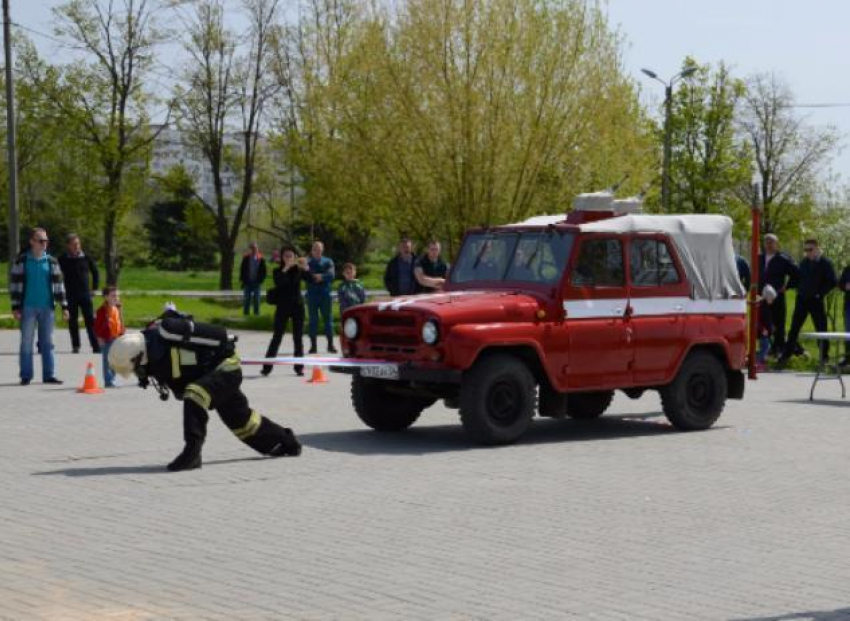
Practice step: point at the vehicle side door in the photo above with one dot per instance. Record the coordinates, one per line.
(659, 296)
(595, 306)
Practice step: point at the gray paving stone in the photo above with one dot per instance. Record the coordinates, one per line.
(620, 518)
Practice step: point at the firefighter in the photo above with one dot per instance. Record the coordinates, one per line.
(198, 363)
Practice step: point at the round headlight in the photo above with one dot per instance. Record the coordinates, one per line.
(430, 332)
(351, 328)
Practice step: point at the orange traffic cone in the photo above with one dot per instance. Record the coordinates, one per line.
(318, 376)
(90, 386)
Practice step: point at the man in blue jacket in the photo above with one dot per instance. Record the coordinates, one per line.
(817, 279)
(36, 286)
(320, 276)
(777, 269)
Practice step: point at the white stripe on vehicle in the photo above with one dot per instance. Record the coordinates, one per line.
(431, 297)
(648, 307)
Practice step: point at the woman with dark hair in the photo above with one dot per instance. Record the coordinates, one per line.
(289, 302)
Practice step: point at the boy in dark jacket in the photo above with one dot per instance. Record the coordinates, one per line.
(351, 291)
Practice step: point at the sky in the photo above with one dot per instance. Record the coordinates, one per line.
(805, 42)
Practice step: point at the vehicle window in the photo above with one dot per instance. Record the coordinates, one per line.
(651, 264)
(531, 257)
(600, 264)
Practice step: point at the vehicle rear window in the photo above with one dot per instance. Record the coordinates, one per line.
(600, 264)
(651, 264)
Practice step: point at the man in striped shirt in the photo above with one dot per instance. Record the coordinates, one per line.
(36, 287)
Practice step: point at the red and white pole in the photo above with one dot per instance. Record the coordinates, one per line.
(755, 243)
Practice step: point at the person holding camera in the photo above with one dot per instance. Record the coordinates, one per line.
(289, 304)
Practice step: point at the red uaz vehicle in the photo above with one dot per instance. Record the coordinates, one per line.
(553, 314)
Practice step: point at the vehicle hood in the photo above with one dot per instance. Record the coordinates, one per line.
(466, 306)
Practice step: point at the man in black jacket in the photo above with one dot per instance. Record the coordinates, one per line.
(777, 269)
(844, 285)
(198, 363)
(817, 279)
(252, 273)
(400, 276)
(76, 267)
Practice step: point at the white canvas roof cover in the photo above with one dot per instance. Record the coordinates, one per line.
(704, 244)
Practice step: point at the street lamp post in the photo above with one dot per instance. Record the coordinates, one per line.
(668, 111)
(14, 223)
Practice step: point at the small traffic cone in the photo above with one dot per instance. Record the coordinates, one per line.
(90, 386)
(318, 376)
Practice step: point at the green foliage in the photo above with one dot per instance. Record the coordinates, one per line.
(709, 163)
(433, 116)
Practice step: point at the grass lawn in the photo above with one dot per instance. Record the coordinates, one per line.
(152, 279)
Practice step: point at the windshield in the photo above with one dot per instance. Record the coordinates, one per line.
(531, 257)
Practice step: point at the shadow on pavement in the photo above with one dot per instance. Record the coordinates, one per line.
(444, 438)
(119, 470)
(830, 402)
(841, 614)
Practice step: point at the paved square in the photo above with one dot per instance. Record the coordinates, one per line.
(620, 518)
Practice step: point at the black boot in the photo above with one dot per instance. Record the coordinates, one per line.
(314, 347)
(289, 446)
(299, 370)
(331, 348)
(267, 369)
(189, 459)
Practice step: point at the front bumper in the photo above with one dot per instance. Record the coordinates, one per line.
(408, 372)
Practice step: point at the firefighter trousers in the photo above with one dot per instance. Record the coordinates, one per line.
(220, 390)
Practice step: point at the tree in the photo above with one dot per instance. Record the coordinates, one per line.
(223, 107)
(174, 225)
(104, 101)
(433, 115)
(708, 163)
(788, 153)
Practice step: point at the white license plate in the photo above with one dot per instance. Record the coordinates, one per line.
(383, 371)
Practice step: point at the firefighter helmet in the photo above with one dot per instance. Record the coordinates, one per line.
(126, 352)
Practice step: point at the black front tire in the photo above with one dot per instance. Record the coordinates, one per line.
(497, 399)
(588, 405)
(382, 409)
(695, 399)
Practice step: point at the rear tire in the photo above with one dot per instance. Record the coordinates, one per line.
(695, 399)
(383, 410)
(588, 405)
(497, 399)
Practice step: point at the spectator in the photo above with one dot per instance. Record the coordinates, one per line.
(321, 275)
(252, 273)
(844, 285)
(289, 304)
(76, 268)
(743, 271)
(399, 277)
(817, 279)
(777, 269)
(430, 269)
(350, 292)
(36, 287)
(765, 325)
(108, 326)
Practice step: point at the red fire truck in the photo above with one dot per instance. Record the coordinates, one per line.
(552, 315)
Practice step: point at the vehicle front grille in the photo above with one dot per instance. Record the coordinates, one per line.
(394, 321)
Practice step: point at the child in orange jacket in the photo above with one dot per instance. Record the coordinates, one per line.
(108, 326)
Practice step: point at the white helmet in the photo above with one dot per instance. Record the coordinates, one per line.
(769, 294)
(126, 352)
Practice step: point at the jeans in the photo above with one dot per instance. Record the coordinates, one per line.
(108, 373)
(41, 318)
(317, 304)
(251, 293)
(847, 329)
(76, 306)
(764, 348)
